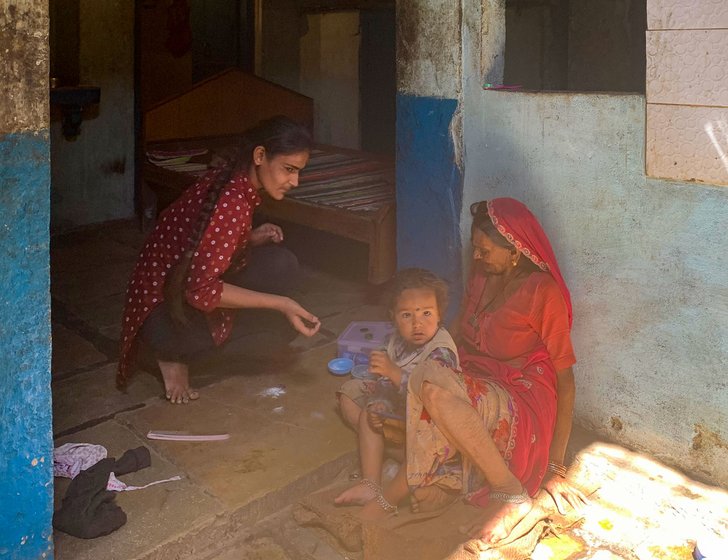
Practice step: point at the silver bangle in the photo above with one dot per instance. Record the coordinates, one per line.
(557, 469)
(509, 498)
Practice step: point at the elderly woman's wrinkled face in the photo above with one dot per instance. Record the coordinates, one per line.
(488, 256)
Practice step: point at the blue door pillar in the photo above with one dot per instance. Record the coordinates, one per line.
(429, 134)
(26, 462)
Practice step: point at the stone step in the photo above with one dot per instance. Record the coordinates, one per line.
(258, 525)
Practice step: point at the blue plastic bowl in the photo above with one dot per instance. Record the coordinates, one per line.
(341, 366)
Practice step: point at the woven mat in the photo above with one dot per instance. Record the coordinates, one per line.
(638, 509)
(431, 536)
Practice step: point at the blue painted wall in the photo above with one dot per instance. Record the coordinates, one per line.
(26, 462)
(429, 190)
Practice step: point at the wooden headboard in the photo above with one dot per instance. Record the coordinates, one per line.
(227, 103)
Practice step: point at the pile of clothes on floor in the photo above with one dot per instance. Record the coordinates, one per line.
(88, 509)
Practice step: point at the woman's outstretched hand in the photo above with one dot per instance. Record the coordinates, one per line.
(265, 233)
(304, 322)
(563, 493)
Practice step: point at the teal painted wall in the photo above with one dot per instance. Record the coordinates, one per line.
(26, 462)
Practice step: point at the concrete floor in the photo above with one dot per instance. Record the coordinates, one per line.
(234, 497)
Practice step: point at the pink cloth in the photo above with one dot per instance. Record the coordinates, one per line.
(71, 458)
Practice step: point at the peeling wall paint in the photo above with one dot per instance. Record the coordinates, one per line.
(24, 53)
(428, 48)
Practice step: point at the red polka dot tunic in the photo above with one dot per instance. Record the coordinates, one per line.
(223, 243)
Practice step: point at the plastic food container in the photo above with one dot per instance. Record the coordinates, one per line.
(340, 366)
(361, 337)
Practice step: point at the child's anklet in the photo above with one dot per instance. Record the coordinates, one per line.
(373, 486)
(385, 505)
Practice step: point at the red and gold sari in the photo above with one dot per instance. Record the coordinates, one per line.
(509, 359)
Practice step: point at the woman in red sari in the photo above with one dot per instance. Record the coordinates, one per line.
(497, 431)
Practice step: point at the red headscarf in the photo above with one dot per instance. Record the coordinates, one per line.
(520, 227)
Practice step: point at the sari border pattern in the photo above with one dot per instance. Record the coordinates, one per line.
(515, 242)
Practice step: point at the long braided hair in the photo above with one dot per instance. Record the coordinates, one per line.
(278, 136)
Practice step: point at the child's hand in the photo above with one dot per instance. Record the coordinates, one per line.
(380, 364)
(373, 419)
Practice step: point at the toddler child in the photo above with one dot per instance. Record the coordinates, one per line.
(417, 302)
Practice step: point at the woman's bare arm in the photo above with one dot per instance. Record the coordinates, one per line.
(565, 393)
(235, 297)
(560, 490)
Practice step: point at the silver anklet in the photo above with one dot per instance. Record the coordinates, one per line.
(510, 498)
(385, 505)
(373, 486)
(378, 496)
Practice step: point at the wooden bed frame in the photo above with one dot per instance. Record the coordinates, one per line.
(213, 112)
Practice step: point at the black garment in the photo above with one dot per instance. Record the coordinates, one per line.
(88, 509)
(256, 332)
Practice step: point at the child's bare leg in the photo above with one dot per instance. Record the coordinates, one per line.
(350, 411)
(371, 456)
(176, 377)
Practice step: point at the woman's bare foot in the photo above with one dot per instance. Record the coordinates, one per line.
(431, 498)
(498, 519)
(177, 383)
(357, 495)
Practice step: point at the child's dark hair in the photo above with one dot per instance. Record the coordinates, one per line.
(418, 278)
(278, 135)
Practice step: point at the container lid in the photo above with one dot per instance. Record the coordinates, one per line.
(340, 366)
(361, 371)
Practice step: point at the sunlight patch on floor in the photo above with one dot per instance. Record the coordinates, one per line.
(639, 509)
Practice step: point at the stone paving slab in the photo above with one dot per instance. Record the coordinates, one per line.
(101, 312)
(89, 253)
(289, 538)
(93, 395)
(154, 515)
(281, 425)
(72, 352)
(106, 279)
